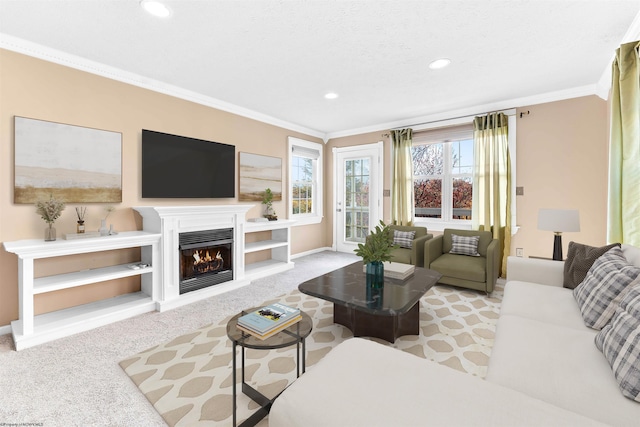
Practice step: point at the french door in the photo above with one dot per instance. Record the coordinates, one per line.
(358, 193)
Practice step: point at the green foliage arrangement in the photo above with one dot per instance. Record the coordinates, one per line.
(378, 245)
(50, 210)
(267, 200)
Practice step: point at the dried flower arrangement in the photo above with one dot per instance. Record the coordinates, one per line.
(109, 209)
(50, 210)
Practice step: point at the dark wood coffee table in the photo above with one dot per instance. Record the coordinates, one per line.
(386, 313)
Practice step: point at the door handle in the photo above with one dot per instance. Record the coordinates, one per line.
(338, 210)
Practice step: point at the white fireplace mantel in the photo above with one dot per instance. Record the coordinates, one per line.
(170, 221)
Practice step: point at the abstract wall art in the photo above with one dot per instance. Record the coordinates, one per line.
(74, 164)
(257, 173)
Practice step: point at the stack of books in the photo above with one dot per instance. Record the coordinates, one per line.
(269, 320)
(396, 270)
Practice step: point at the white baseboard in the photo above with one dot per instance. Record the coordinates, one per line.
(311, 252)
(6, 329)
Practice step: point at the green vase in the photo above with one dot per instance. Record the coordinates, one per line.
(375, 274)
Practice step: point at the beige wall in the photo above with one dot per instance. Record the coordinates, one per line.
(38, 89)
(561, 163)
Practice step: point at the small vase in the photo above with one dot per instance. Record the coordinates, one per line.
(374, 296)
(49, 233)
(103, 227)
(375, 274)
(80, 227)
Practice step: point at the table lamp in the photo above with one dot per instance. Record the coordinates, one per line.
(558, 221)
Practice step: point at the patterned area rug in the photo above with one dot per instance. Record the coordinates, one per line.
(189, 380)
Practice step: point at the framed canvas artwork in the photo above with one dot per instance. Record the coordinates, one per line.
(257, 173)
(74, 164)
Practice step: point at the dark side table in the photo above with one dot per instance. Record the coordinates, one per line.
(294, 334)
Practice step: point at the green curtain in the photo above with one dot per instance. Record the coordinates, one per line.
(491, 208)
(624, 148)
(402, 182)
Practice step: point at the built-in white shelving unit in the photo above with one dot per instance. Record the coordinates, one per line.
(279, 244)
(159, 249)
(30, 330)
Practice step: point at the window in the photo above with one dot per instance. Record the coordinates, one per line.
(305, 181)
(443, 176)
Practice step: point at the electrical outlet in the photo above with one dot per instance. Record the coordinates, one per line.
(519, 252)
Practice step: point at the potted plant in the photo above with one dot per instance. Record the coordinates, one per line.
(267, 200)
(375, 251)
(50, 210)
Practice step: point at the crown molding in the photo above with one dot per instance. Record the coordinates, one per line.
(560, 95)
(35, 50)
(62, 58)
(604, 83)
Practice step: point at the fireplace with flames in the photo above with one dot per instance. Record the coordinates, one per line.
(206, 259)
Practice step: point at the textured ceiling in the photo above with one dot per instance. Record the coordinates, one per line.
(278, 58)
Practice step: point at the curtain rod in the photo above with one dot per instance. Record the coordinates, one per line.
(454, 118)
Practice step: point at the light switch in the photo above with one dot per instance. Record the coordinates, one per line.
(519, 191)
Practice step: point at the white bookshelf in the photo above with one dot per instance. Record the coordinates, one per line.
(278, 244)
(31, 329)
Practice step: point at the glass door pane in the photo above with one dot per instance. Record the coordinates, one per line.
(356, 203)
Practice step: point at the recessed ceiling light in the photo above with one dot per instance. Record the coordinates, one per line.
(439, 63)
(156, 8)
(331, 95)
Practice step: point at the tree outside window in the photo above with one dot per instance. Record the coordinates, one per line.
(442, 181)
(305, 181)
(302, 188)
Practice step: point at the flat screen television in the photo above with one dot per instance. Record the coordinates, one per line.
(179, 167)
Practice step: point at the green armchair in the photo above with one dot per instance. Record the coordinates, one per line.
(415, 254)
(472, 272)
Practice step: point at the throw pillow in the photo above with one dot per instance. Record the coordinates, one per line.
(464, 245)
(631, 253)
(404, 239)
(599, 293)
(619, 341)
(579, 260)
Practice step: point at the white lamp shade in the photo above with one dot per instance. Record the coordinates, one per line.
(559, 220)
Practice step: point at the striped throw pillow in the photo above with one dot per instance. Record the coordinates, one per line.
(619, 341)
(464, 245)
(404, 239)
(600, 292)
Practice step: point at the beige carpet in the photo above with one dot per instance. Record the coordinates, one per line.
(189, 379)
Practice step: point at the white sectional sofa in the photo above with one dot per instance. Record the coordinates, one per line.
(544, 370)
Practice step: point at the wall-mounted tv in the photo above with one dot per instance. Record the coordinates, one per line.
(179, 167)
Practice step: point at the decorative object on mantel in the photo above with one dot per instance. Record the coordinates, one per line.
(50, 210)
(81, 212)
(374, 252)
(76, 164)
(267, 200)
(256, 172)
(258, 220)
(104, 231)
